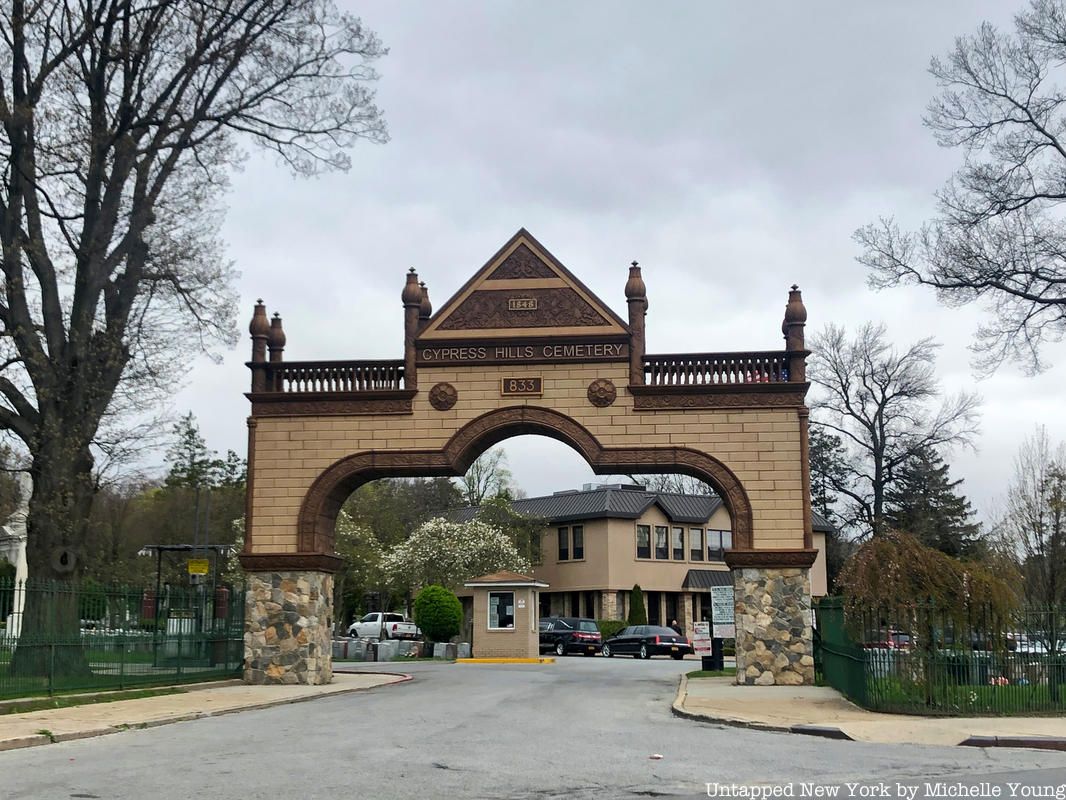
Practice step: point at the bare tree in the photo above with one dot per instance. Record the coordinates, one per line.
(488, 476)
(997, 237)
(121, 120)
(883, 404)
(1036, 518)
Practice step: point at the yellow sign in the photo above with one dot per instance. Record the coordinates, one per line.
(199, 566)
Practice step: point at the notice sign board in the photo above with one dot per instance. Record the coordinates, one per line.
(722, 603)
(199, 566)
(701, 638)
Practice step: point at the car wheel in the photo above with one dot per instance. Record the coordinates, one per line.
(644, 651)
(607, 651)
(560, 649)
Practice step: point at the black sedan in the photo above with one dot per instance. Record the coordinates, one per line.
(565, 635)
(645, 641)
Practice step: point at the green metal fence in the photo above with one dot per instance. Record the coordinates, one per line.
(60, 637)
(918, 660)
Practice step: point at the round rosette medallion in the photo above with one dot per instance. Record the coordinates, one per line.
(602, 393)
(443, 396)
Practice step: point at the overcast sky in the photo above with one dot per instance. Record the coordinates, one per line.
(732, 151)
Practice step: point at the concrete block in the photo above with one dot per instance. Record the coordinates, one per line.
(357, 650)
(405, 647)
(463, 650)
(438, 649)
(387, 650)
(340, 648)
(450, 651)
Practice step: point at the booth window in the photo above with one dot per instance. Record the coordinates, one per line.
(564, 544)
(501, 610)
(661, 550)
(677, 543)
(695, 543)
(579, 541)
(643, 541)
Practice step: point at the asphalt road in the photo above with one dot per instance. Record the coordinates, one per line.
(581, 728)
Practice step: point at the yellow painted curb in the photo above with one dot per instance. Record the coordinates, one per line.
(505, 661)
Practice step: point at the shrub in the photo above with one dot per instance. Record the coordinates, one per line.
(609, 627)
(637, 613)
(438, 613)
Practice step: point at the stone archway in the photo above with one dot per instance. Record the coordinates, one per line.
(318, 512)
(525, 347)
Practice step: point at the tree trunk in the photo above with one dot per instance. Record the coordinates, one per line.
(50, 640)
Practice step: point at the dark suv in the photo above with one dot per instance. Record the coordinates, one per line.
(565, 635)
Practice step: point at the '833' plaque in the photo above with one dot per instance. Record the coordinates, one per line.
(517, 387)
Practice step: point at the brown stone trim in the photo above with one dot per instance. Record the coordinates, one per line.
(284, 562)
(323, 500)
(482, 274)
(249, 480)
(805, 467)
(753, 395)
(326, 404)
(744, 557)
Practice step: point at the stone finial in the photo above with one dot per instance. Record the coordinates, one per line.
(259, 327)
(276, 338)
(425, 310)
(795, 320)
(635, 288)
(412, 292)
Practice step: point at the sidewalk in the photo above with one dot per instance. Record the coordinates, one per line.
(821, 711)
(201, 700)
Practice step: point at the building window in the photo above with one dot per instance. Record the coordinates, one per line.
(695, 543)
(661, 550)
(501, 611)
(579, 541)
(717, 543)
(564, 544)
(677, 543)
(643, 541)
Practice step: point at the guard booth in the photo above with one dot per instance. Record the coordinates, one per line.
(505, 615)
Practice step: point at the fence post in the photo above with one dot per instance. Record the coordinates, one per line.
(122, 662)
(51, 667)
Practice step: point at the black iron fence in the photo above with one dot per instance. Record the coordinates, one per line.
(62, 637)
(920, 660)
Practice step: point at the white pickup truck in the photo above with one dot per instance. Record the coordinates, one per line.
(378, 625)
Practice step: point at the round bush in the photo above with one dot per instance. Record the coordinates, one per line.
(438, 613)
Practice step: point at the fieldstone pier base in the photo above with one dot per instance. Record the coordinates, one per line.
(288, 617)
(773, 619)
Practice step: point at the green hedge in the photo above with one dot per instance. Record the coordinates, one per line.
(609, 627)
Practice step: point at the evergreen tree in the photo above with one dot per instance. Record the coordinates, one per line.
(638, 615)
(927, 504)
(828, 470)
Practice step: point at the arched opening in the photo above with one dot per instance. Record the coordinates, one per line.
(323, 501)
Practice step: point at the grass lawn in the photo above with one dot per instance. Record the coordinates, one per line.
(728, 672)
(893, 694)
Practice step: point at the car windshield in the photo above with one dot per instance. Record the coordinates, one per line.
(588, 625)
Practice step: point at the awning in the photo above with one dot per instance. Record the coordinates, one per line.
(706, 578)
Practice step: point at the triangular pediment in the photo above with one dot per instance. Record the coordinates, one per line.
(523, 291)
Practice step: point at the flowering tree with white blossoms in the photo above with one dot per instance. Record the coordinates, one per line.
(448, 553)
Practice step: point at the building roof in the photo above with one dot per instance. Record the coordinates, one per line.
(505, 578)
(620, 501)
(706, 578)
(613, 501)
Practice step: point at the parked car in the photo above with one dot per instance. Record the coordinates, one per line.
(889, 640)
(565, 635)
(384, 625)
(645, 641)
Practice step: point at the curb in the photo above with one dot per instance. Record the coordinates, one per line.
(505, 661)
(1032, 742)
(41, 739)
